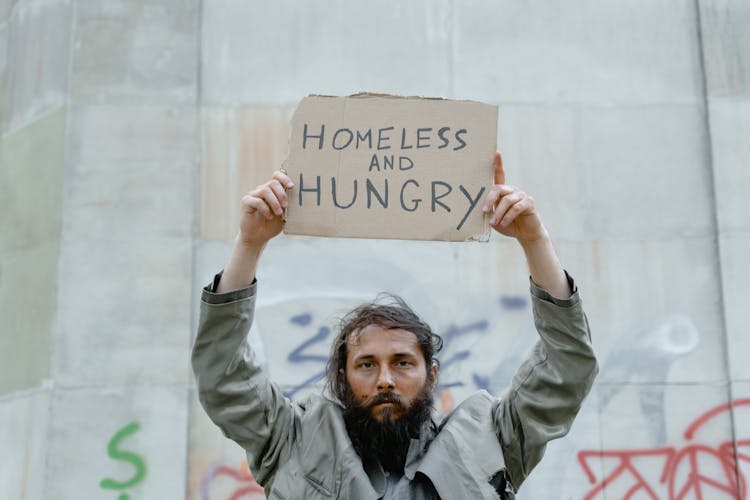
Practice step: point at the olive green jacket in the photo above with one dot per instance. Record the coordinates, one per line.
(301, 451)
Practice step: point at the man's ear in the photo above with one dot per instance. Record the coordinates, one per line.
(434, 369)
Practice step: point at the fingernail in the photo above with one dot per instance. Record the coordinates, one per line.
(290, 184)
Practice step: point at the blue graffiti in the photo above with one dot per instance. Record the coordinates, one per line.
(450, 336)
(513, 302)
(300, 355)
(303, 353)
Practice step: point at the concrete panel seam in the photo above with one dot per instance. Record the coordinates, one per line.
(116, 387)
(46, 387)
(712, 177)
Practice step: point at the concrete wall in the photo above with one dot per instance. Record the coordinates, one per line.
(131, 128)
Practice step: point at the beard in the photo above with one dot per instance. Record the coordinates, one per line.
(387, 439)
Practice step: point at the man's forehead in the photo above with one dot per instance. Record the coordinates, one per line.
(377, 334)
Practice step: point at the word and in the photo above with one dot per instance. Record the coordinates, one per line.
(114, 452)
(410, 195)
(380, 138)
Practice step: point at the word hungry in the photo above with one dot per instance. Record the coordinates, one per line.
(410, 195)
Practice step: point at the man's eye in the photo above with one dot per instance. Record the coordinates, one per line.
(404, 363)
(366, 364)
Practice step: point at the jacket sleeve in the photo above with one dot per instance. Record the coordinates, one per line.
(548, 389)
(232, 387)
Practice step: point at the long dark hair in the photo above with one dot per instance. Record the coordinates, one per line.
(388, 311)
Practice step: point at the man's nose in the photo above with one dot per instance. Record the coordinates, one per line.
(385, 379)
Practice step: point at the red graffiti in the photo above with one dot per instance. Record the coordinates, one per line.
(247, 489)
(696, 471)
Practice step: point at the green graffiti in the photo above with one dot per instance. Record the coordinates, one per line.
(117, 454)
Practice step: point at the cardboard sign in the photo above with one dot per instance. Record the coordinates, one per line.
(378, 166)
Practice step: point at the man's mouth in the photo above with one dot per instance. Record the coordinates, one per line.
(385, 405)
(386, 401)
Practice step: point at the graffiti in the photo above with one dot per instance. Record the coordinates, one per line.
(513, 302)
(300, 355)
(453, 337)
(115, 453)
(646, 354)
(239, 482)
(696, 470)
(643, 357)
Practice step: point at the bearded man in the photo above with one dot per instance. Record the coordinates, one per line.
(375, 437)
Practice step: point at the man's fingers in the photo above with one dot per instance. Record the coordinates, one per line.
(502, 207)
(496, 192)
(270, 199)
(266, 194)
(506, 203)
(499, 171)
(252, 203)
(514, 211)
(280, 192)
(283, 179)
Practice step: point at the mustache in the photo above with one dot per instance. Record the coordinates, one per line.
(386, 397)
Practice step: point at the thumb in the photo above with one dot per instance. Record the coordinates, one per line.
(499, 171)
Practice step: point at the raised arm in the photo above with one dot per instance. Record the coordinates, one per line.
(232, 387)
(261, 220)
(550, 386)
(513, 213)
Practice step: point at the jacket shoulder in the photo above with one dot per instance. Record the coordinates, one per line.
(479, 405)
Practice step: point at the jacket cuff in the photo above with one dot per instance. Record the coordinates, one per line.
(544, 295)
(210, 296)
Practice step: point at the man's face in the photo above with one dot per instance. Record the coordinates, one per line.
(386, 371)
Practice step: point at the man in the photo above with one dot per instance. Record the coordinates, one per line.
(376, 438)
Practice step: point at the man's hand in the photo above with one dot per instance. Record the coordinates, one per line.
(512, 212)
(261, 220)
(262, 210)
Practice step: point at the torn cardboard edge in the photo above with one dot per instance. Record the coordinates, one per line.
(385, 166)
